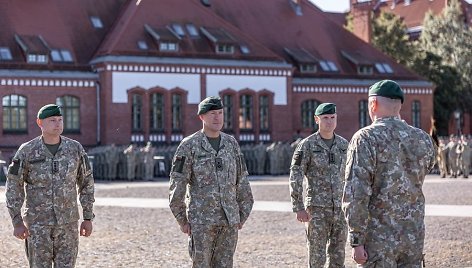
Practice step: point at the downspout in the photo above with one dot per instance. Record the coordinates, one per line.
(97, 89)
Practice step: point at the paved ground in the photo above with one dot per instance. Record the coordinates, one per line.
(134, 228)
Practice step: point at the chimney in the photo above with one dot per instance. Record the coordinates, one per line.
(362, 18)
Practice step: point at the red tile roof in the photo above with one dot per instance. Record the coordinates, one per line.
(276, 25)
(61, 24)
(123, 38)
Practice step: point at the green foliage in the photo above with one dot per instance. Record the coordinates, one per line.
(390, 36)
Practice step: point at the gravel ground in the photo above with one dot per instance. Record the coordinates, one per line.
(131, 237)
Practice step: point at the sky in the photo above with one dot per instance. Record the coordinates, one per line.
(332, 5)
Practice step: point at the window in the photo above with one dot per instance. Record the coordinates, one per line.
(96, 22)
(61, 55)
(245, 112)
(168, 46)
(307, 68)
(14, 113)
(308, 113)
(178, 29)
(192, 30)
(364, 117)
(364, 69)
(328, 66)
(5, 53)
(416, 113)
(228, 112)
(264, 113)
(244, 49)
(37, 58)
(383, 68)
(142, 45)
(157, 112)
(224, 49)
(136, 112)
(176, 112)
(70, 107)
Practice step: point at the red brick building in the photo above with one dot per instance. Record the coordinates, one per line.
(134, 71)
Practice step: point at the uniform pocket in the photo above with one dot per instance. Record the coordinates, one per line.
(203, 170)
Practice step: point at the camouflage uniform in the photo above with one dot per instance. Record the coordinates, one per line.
(383, 199)
(217, 200)
(48, 183)
(465, 150)
(323, 168)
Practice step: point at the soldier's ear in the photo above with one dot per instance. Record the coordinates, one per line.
(39, 122)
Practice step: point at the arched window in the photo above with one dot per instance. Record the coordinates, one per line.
(136, 113)
(264, 113)
(364, 117)
(308, 112)
(70, 108)
(228, 112)
(245, 112)
(157, 112)
(416, 113)
(14, 113)
(176, 112)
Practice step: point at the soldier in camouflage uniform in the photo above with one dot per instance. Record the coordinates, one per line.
(383, 200)
(442, 158)
(46, 173)
(210, 195)
(465, 152)
(321, 158)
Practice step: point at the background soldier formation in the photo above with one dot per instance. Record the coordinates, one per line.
(454, 156)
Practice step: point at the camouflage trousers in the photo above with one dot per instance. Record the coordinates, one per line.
(405, 252)
(52, 244)
(326, 237)
(212, 246)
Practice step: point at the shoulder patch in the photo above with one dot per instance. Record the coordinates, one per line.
(178, 164)
(14, 167)
(297, 158)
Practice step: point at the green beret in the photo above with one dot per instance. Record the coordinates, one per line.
(325, 108)
(49, 110)
(387, 88)
(209, 104)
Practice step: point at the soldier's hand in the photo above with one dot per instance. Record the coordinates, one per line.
(303, 216)
(20, 231)
(86, 228)
(186, 229)
(359, 255)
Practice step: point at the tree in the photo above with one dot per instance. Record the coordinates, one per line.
(389, 35)
(450, 38)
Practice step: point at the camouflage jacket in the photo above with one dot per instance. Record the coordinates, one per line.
(207, 187)
(50, 183)
(323, 168)
(386, 166)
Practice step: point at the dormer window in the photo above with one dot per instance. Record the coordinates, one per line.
(308, 68)
(34, 48)
(224, 49)
(5, 53)
(363, 65)
(96, 22)
(383, 68)
(365, 69)
(166, 39)
(168, 46)
(224, 43)
(244, 49)
(307, 63)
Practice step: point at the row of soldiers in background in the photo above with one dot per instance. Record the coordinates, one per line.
(135, 162)
(454, 156)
